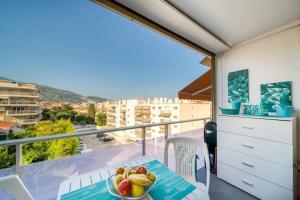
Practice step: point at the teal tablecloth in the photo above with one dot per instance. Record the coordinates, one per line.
(169, 186)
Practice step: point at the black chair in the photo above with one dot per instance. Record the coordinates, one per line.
(210, 138)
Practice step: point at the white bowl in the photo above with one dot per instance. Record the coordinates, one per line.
(111, 189)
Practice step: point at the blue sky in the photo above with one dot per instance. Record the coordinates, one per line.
(80, 46)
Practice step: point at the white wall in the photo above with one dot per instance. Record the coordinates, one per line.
(271, 59)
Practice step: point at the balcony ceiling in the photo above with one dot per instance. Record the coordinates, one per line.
(217, 25)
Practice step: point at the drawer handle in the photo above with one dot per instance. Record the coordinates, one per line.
(248, 146)
(248, 127)
(247, 183)
(247, 164)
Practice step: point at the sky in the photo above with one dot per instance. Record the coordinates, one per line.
(82, 47)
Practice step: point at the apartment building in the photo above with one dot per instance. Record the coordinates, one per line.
(135, 112)
(19, 102)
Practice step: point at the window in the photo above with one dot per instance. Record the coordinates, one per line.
(175, 117)
(175, 108)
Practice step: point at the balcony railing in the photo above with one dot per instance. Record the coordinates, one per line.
(7, 102)
(15, 112)
(29, 121)
(25, 94)
(19, 142)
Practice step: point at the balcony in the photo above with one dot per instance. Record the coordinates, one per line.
(7, 102)
(29, 121)
(22, 112)
(143, 119)
(20, 94)
(43, 178)
(165, 114)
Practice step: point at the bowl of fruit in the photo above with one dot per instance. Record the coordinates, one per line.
(131, 183)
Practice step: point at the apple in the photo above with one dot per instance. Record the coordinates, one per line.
(124, 188)
(141, 170)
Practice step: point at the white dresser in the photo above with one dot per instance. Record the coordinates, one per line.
(256, 154)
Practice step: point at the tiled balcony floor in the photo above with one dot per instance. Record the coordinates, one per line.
(43, 178)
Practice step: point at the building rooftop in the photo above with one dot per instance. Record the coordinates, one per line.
(7, 125)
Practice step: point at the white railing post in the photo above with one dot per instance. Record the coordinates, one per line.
(144, 140)
(18, 159)
(166, 131)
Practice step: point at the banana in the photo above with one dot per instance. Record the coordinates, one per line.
(133, 171)
(126, 172)
(116, 182)
(120, 170)
(151, 177)
(139, 179)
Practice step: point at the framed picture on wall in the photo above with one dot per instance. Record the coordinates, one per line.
(276, 93)
(238, 86)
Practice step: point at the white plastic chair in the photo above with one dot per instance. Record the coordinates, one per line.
(14, 185)
(185, 150)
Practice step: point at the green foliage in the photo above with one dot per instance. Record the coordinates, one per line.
(101, 119)
(8, 156)
(45, 150)
(92, 111)
(83, 119)
(64, 112)
(46, 114)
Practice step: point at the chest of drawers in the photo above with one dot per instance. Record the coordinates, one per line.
(257, 155)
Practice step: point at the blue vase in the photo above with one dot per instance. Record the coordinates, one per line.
(236, 105)
(284, 111)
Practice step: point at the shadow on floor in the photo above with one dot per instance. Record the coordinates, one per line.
(221, 190)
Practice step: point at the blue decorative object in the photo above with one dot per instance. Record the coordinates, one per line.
(236, 105)
(229, 111)
(238, 86)
(274, 94)
(284, 111)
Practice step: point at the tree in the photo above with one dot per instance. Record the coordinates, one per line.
(63, 147)
(92, 111)
(83, 119)
(64, 112)
(8, 156)
(46, 114)
(101, 119)
(45, 150)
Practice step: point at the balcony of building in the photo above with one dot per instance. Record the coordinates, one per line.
(12, 102)
(28, 121)
(165, 114)
(22, 112)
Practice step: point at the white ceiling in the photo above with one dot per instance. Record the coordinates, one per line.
(232, 21)
(165, 15)
(235, 21)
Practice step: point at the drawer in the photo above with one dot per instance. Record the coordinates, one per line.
(253, 185)
(276, 130)
(271, 151)
(266, 170)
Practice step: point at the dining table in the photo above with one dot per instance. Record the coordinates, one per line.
(92, 185)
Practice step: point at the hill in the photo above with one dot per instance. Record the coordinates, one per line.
(48, 93)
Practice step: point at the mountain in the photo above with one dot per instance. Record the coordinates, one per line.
(96, 98)
(48, 93)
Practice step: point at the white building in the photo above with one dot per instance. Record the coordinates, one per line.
(124, 113)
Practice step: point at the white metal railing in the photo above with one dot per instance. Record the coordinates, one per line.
(23, 111)
(7, 102)
(19, 93)
(19, 142)
(25, 121)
